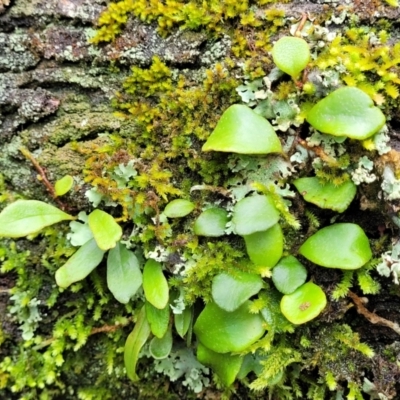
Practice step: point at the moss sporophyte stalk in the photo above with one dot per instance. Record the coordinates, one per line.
(213, 235)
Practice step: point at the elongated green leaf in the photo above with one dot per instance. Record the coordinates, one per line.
(304, 304)
(347, 111)
(161, 347)
(342, 245)
(326, 194)
(104, 228)
(241, 130)
(25, 217)
(182, 321)
(230, 292)
(211, 222)
(254, 214)
(178, 208)
(158, 319)
(223, 331)
(134, 343)
(155, 285)
(80, 265)
(124, 277)
(64, 185)
(265, 248)
(226, 366)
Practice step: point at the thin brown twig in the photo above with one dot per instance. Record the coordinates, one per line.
(318, 151)
(301, 24)
(42, 176)
(372, 317)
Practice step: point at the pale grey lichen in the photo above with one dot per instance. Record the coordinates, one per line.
(15, 51)
(390, 185)
(390, 264)
(26, 312)
(332, 145)
(182, 363)
(381, 140)
(216, 51)
(362, 174)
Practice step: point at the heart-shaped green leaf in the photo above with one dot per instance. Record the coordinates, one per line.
(155, 285)
(304, 304)
(80, 265)
(265, 248)
(342, 245)
(241, 130)
(104, 228)
(211, 222)
(289, 274)
(230, 292)
(178, 208)
(25, 217)
(251, 363)
(254, 214)
(124, 277)
(225, 366)
(347, 111)
(326, 194)
(134, 343)
(222, 331)
(291, 55)
(182, 321)
(63, 185)
(158, 319)
(161, 347)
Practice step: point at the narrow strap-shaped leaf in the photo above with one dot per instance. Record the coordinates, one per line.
(135, 341)
(158, 319)
(104, 228)
(25, 217)
(80, 265)
(124, 277)
(155, 285)
(182, 321)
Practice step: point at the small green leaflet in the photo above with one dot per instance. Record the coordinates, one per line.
(134, 343)
(155, 285)
(104, 228)
(158, 319)
(124, 277)
(182, 321)
(160, 348)
(254, 214)
(64, 185)
(25, 217)
(226, 366)
(178, 208)
(222, 331)
(80, 265)
(230, 292)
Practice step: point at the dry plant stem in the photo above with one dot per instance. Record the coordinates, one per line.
(301, 25)
(318, 151)
(5, 291)
(221, 190)
(371, 317)
(43, 177)
(100, 329)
